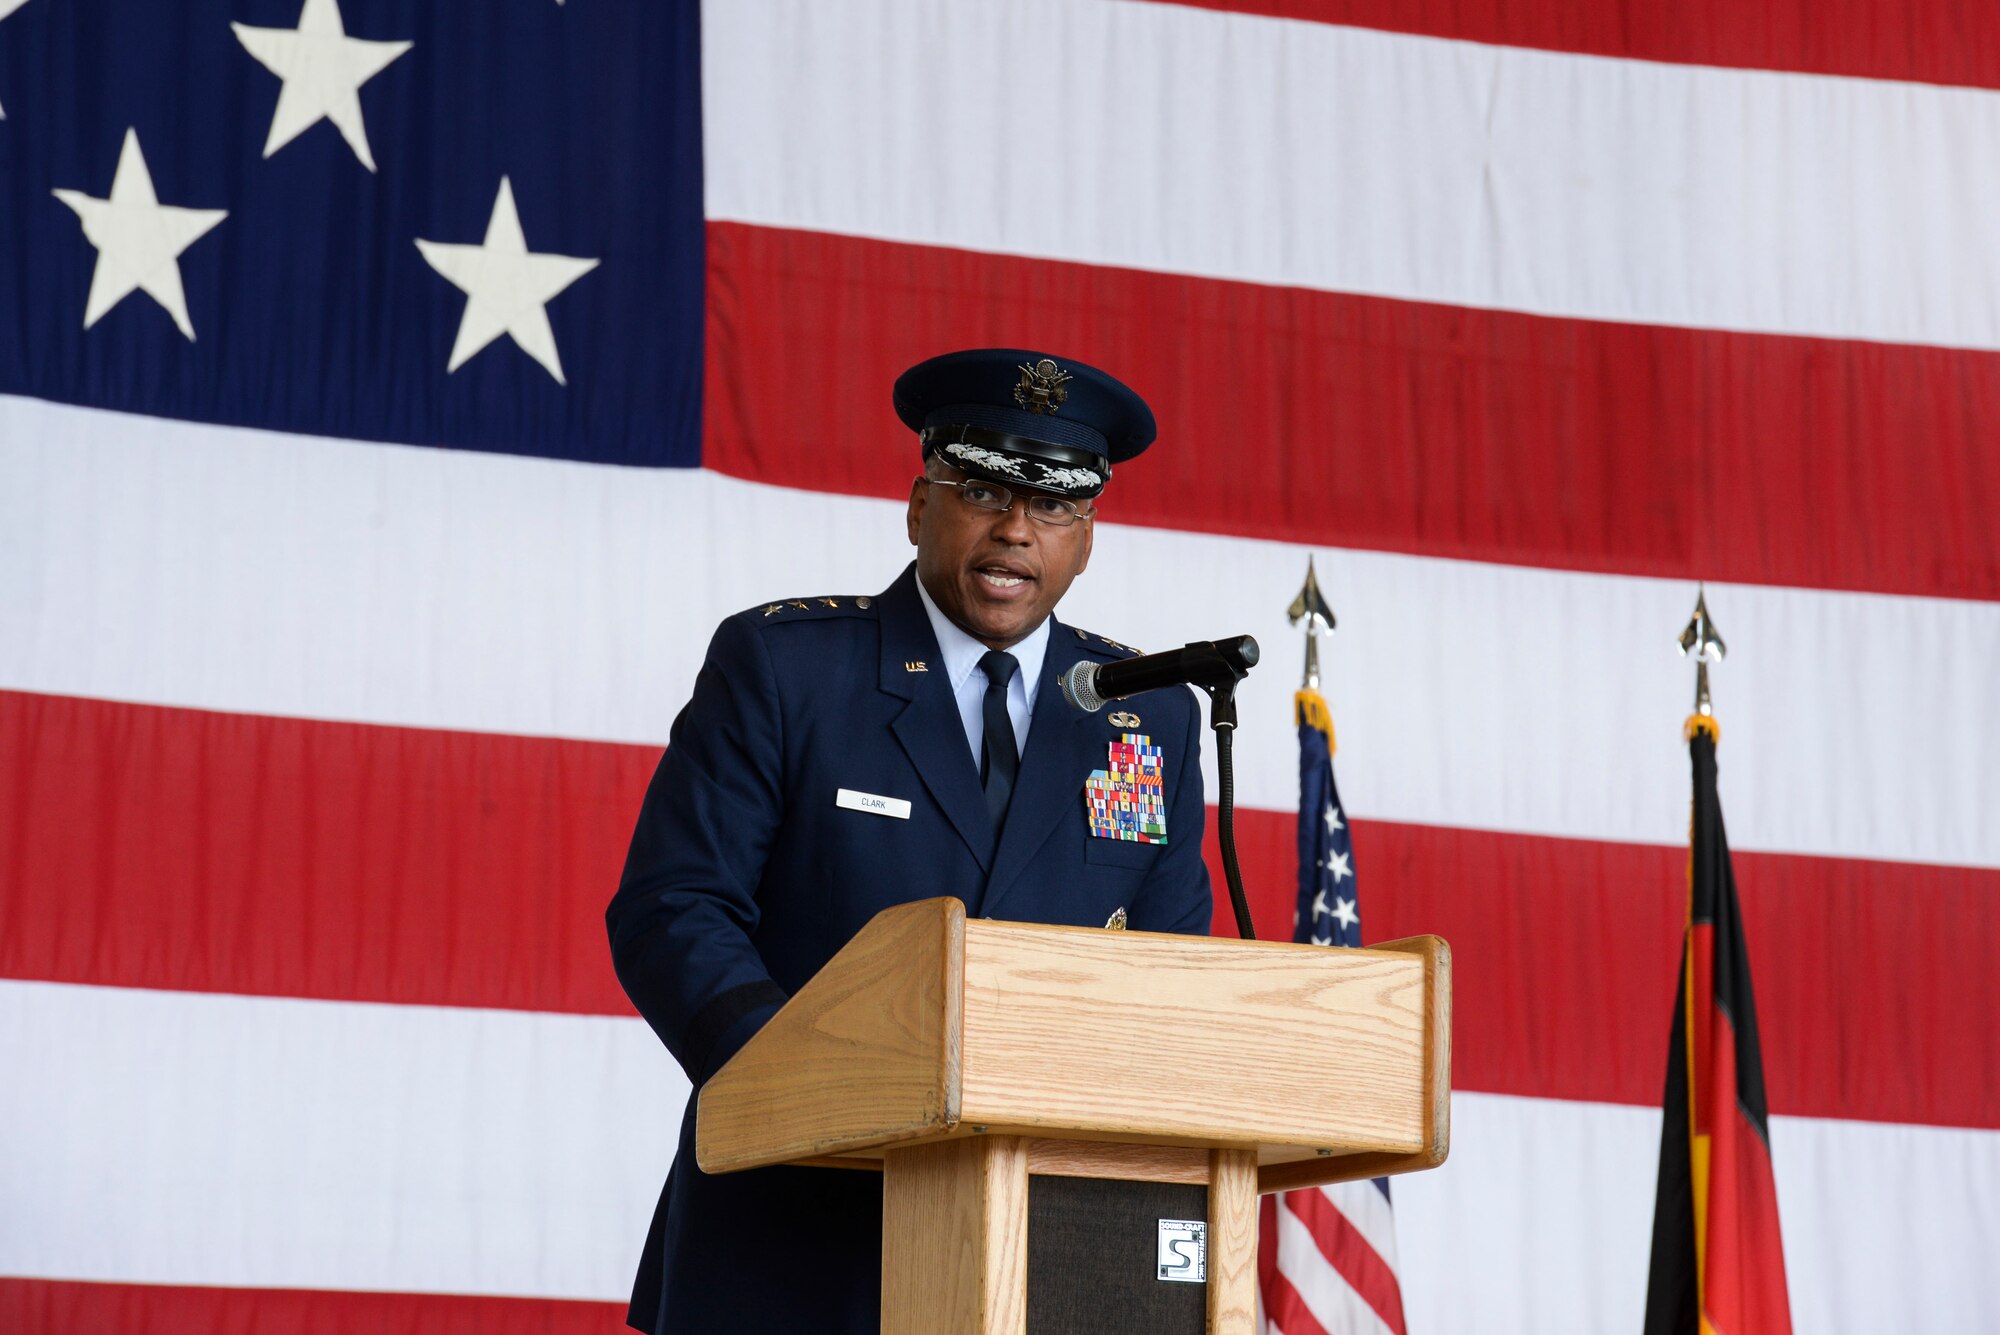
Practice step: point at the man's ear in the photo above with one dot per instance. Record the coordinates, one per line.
(919, 493)
(1089, 536)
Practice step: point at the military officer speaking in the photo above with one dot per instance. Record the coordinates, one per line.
(842, 754)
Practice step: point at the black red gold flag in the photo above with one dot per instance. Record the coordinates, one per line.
(1718, 1260)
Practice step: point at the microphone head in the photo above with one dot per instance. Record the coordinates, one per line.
(1079, 686)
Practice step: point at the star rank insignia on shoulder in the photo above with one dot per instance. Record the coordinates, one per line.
(811, 609)
(1106, 642)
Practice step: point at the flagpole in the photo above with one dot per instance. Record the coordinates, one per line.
(1363, 1280)
(1718, 1247)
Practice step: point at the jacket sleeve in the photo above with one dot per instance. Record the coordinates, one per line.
(681, 922)
(1177, 897)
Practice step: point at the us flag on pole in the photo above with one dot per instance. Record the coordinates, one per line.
(1326, 1256)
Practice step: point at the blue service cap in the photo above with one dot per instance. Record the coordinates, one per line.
(1024, 418)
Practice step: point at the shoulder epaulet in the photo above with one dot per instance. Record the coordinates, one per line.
(1104, 644)
(811, 609)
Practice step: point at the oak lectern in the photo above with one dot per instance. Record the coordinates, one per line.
(1024, 1089)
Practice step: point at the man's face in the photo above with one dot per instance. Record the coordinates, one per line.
(996, 574)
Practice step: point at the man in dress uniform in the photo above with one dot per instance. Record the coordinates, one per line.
(842, 754)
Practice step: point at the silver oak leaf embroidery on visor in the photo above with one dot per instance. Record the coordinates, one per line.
(1075, 479)
(985, 458)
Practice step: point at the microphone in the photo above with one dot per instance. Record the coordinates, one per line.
(1205, 663)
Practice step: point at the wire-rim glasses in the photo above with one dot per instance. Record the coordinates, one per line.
(984, 495)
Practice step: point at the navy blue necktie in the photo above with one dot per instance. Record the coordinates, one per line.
(1001, 758)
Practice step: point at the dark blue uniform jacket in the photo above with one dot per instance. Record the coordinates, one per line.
(744, 878)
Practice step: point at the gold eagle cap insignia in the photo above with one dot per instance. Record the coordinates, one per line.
(1043, 386)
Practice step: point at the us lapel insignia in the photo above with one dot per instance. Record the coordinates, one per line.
(1116, 922)
(915, 665)
(1121, 719)
(1126, 800)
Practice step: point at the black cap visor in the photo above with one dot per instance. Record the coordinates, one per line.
(1017, 461)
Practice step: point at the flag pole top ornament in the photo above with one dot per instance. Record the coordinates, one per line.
(1311, 607)
(1700, 640)
(1024, 419)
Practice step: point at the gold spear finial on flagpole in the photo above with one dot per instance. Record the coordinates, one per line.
(1311, 607)
(1703, 642)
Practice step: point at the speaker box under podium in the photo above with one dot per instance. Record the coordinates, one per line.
(1094, 1257)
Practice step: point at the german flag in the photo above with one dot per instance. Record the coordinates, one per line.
(1718, 1261)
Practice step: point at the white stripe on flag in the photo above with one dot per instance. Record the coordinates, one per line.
(435, 588)
(182, 1138)
(1533, 1185)
(1871, 1245)
(1367, 1209)
(1539, 1221)
(1354, 160)
(1333, 1302)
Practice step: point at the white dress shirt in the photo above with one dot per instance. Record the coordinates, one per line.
(968, 684)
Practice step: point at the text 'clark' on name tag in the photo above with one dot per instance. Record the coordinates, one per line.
(881, 806)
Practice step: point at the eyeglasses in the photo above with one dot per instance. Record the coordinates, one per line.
(992, 496)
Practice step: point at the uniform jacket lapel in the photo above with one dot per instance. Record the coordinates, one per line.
(929, 727)
(1050, 786)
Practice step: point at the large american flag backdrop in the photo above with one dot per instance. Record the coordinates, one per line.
(394, 394)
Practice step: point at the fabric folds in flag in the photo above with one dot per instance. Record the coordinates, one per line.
(1718, 1261)
(1326, 1256)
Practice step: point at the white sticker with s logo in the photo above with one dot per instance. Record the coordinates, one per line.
(1184, 1250)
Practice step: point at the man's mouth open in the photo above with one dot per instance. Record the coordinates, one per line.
(1000, 579)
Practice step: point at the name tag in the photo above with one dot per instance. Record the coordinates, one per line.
(881, 806)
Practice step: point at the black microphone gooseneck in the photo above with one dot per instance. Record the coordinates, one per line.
(1222, 718)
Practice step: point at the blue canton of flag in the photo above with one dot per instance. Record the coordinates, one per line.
(1329, 912)
(469, 225)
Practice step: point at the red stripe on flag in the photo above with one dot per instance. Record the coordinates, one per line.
(1363, 422)
(1707, 1085)
(1928, 41)
(1349, 1253)
(211, 852)
(208, 852)
(1286, 1310)
(1565, 953)
(64, 1307)
(1267, 1233)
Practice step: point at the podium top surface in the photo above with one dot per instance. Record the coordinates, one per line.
(928, 1026)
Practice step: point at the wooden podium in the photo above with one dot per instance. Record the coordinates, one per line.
(967, 1060)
